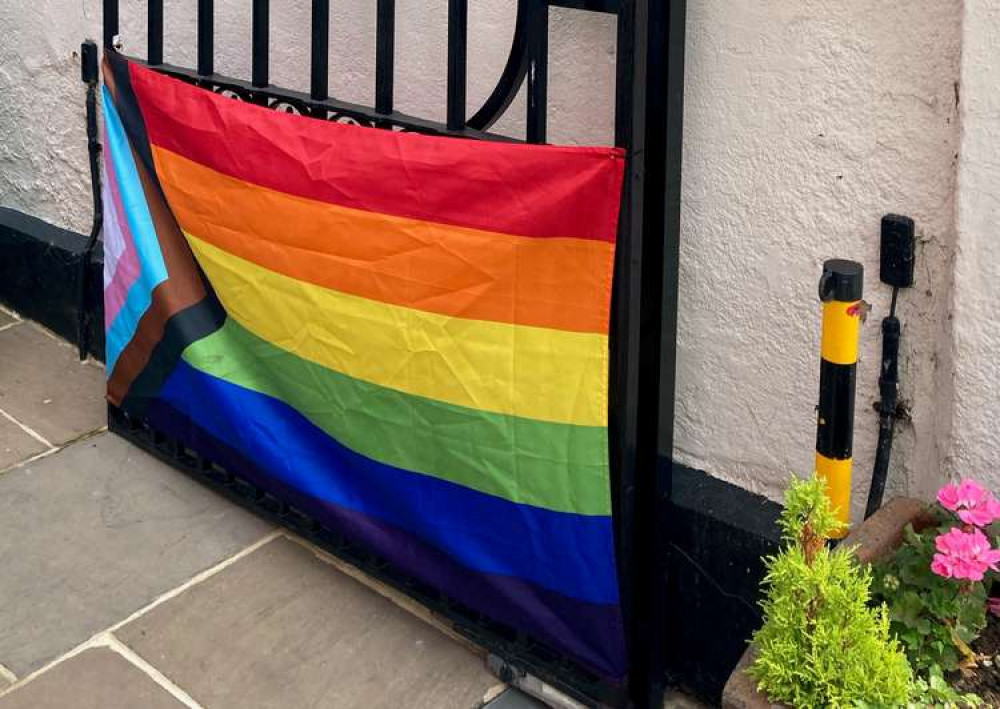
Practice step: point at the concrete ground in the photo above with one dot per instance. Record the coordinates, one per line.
(123, 583)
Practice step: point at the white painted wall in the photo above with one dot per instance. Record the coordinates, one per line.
(43, 138)
(806, 120)
(975, 333)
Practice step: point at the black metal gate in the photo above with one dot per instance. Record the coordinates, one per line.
(649, 100)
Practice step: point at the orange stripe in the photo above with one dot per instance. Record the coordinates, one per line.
(557, 283)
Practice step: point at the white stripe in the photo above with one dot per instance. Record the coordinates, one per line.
(114, 239)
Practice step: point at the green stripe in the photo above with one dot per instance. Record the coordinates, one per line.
(556, 466)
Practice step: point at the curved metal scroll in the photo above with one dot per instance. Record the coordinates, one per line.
(512, 77)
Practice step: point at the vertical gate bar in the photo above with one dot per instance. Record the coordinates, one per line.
(636, 385)
(658, 339)
(538, 73)
(154, 26)
(206, 37)
(110, 12)
(385, 45)
(259, 67)
(458, 39)
(672, 21)
(319, 82)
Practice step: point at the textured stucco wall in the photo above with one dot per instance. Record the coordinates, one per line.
(43, 138)
(805, 121)
(975, 339)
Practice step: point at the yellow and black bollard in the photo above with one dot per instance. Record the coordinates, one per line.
(840, 290)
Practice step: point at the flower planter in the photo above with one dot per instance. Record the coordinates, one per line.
(874, 539)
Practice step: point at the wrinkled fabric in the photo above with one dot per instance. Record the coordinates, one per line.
(404, 336)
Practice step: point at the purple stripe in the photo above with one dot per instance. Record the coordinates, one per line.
(127, 269)
(590, 633)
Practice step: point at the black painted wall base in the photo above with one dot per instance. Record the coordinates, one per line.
(717, 534)
(40, 276)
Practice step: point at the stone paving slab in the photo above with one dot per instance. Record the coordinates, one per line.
(95, 679)
(45, 386)
(6, 318)
(94, 532)
(282, 628)
(16, 445)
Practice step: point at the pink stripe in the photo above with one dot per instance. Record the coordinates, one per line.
(126, 268)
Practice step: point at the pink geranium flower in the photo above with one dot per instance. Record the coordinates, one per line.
(964, 555)
(971, 502)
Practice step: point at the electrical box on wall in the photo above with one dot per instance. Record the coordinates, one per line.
(897, 257)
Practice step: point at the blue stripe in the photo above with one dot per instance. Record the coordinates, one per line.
(153, 270)
(567, 553)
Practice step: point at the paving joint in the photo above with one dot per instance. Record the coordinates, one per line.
(111, 641)
(101, 639)
(411, 606)
(6, 674)
(53, 449)
(27, 429)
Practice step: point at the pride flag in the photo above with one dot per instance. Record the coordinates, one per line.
(405, 336)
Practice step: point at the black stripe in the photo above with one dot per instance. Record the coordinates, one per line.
(181, 329)
(835, 423)
(127, 106)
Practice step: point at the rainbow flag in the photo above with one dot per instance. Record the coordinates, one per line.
(404, 336)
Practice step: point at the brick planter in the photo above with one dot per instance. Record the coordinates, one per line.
(874, 539)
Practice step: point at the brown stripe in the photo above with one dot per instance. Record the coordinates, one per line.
(182, 289)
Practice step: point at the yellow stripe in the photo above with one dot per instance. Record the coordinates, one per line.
(837, 474)
(537, 373)
(840, 333)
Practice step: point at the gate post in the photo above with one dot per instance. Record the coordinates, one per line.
(646, 320)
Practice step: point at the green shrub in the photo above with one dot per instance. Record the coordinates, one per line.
(822, 645)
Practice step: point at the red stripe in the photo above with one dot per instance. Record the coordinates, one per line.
(526, 190)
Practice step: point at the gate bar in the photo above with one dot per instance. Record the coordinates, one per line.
(665, 121)
(458, 40)
(154, 39)
(319, 82)
(206, 37)
(110, 21)
(538, 73)
(259, 67)
(385, 45)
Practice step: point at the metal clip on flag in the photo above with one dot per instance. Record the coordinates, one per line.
(840, 290)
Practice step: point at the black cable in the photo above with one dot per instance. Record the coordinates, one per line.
(888, 383)
(88, 56)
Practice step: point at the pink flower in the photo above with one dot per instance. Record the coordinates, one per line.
(993, 605)
(943, 565)
(964, 555)
(974, 504)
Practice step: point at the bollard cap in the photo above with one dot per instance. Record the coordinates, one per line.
(841, 280)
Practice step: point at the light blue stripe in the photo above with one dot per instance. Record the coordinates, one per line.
(153, 270)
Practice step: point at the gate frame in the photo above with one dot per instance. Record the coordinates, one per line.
(649, 94)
